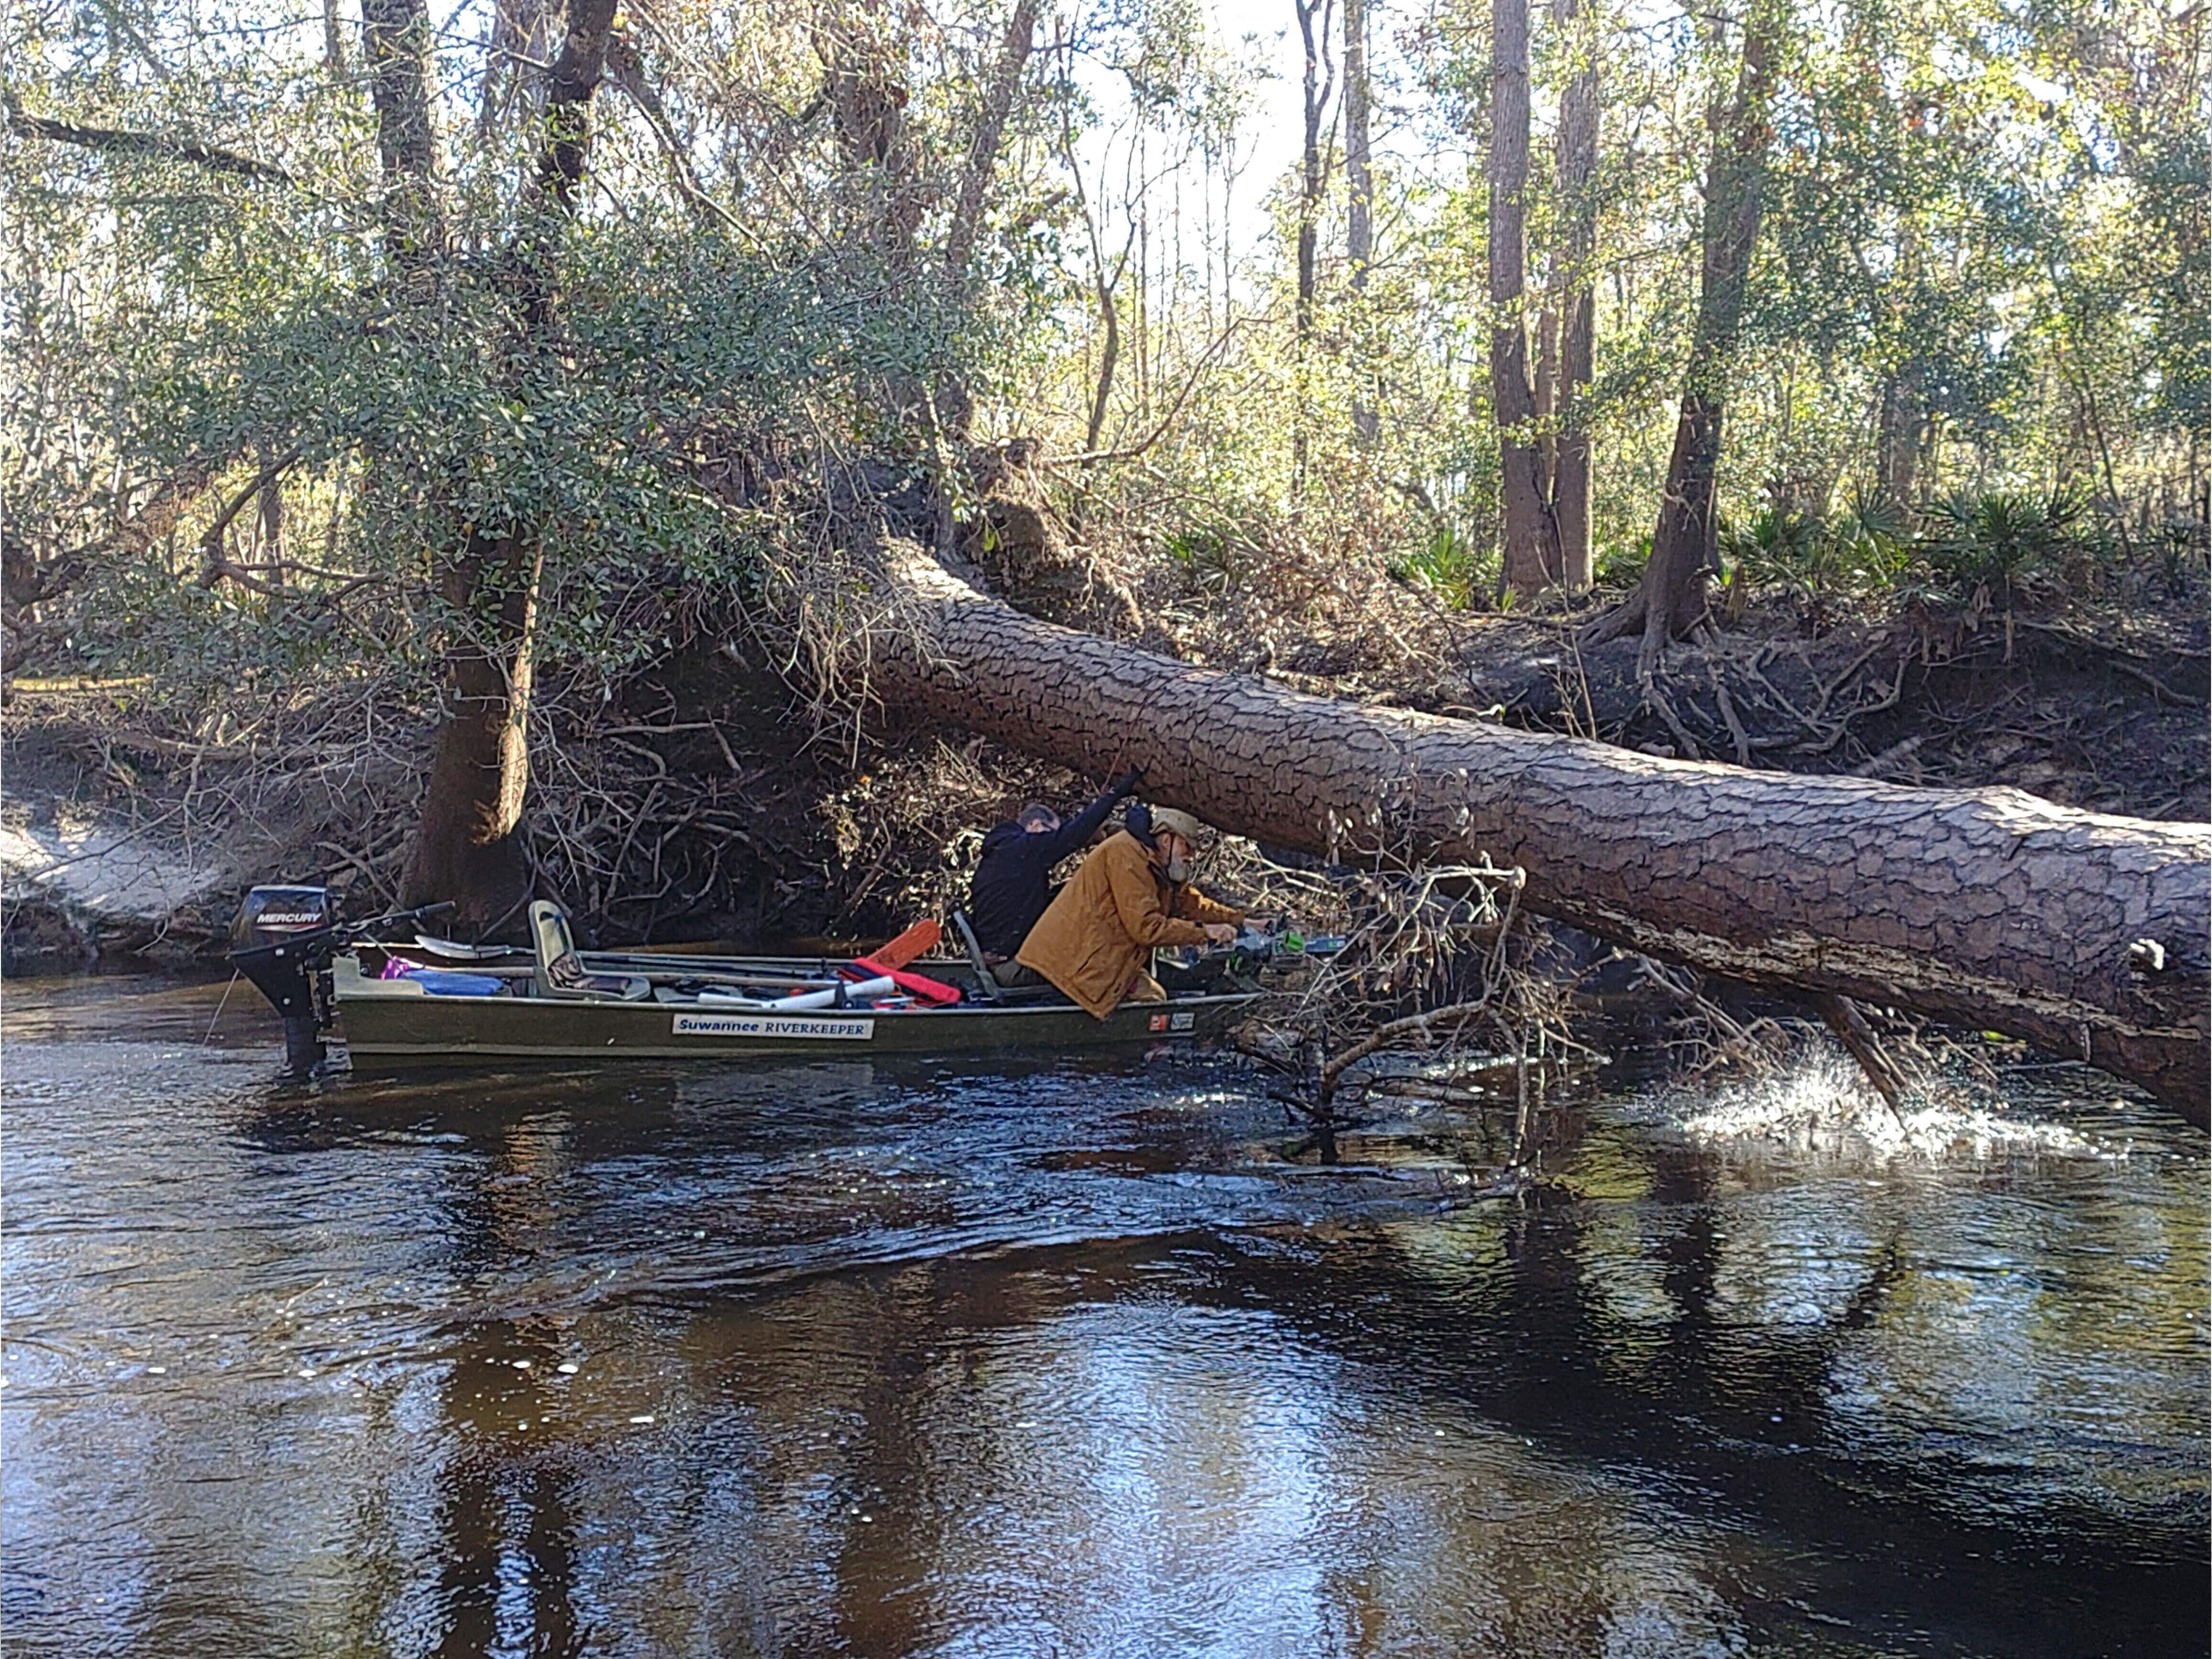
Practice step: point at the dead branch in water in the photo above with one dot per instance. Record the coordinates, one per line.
(1429, 968)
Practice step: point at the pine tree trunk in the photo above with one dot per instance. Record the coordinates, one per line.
(1576, 158)
(1988, 909)
(1532, 544)
(1671, 600)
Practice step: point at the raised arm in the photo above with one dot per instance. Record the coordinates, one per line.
(1077, 831)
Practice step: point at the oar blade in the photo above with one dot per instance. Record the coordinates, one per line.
(917, 941)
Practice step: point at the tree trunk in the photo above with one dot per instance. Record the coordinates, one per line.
(396, 42)
(1576, 158)
(955, 405)
(1109, 354)
(1313, 176)
(983, 145)
(1902, 409)
(334, 59)
(1988, 908)
(467, 850)
(1670, 601)
(867, 94)
(1532, 543)
(1103, 282)
(1897, 440)
(1312, 181)
(1358, 182)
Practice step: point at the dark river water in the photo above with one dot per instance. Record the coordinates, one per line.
(1075, 1357)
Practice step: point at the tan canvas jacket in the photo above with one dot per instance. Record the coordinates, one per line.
(1093, 940)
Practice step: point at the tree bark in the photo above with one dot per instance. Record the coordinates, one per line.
(142, 143)
(1576, 159)
(867, 96)
(1102, 281)
(1532, 543)
(1671, 599)
(1313, 174)
(954, 404)
(334, 59)
(1903, 408)
(467, 851)
(1988, 908)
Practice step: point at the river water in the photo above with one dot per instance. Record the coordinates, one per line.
(1073, 1358)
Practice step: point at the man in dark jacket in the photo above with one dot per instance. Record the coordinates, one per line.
(1013, 883)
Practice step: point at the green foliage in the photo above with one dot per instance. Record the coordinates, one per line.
(1985, 550)
(1982, 221)
(1450, 566)
(1621, 564)
(1209, 556)
(2001, 543)
(1856, 551)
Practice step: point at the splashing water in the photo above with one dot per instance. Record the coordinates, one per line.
(1824, 1106)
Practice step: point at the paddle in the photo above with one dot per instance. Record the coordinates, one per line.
(916, 941)
(889, 959)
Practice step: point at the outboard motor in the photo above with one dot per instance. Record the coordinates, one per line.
(282, 940)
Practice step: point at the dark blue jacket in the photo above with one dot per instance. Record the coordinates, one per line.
(1013, 884)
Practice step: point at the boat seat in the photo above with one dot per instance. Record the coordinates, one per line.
(559, 972)
(991, 987)
(987, 982)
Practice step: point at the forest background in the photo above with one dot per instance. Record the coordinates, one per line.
(404, 389)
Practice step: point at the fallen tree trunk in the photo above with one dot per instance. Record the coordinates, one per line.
(1989, 909)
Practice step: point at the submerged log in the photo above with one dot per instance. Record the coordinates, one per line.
(1989, 908)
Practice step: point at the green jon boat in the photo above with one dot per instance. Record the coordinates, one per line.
(425, 1001)
(399, 1020)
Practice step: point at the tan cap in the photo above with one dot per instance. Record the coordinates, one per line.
(1177, 821)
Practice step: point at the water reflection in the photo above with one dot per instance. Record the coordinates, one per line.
(1061, 1359)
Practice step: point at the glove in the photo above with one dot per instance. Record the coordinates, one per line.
(1127, 783)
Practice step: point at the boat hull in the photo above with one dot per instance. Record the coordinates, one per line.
(390, 1024)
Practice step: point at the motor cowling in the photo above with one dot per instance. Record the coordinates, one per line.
(281, 940)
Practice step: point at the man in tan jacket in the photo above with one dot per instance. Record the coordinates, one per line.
(1094, 940)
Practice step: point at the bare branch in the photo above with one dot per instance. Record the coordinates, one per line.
(118, 142)
(219, 565)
